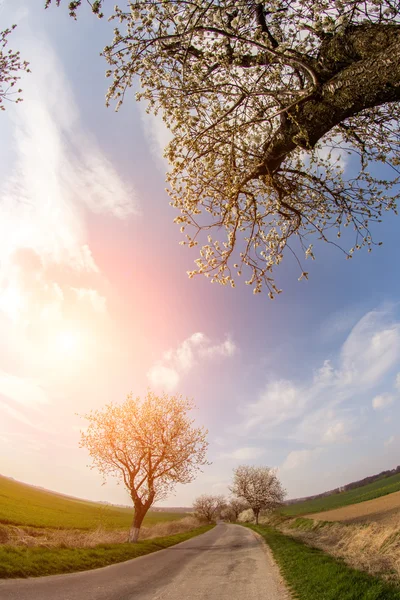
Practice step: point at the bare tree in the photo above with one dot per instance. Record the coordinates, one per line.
(150, 444)
(208, 507)
(10, 66)
(259, 487)
(252, 91)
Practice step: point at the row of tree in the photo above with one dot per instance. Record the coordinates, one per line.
(257, 488)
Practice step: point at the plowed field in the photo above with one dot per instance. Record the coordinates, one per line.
(380, 510)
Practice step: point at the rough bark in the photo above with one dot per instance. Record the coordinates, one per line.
(371, 81)
(134, 531)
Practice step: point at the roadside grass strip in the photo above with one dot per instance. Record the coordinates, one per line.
(35, 562)
(313, 575)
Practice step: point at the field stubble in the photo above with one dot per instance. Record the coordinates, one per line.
(385, 510)
(384, 487)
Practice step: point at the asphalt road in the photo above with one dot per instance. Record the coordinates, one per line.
(227, 563)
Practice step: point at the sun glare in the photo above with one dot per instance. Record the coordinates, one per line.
(67, 341)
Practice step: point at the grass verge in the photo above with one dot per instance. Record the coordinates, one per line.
(370, 547)
(313, 575)
(35, 562)
(45, 537)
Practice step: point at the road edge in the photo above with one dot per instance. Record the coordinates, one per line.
(273, 566)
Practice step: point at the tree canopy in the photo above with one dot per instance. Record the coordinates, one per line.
(208, 507)
(150, 445)
(265, 100)
(234, 507)
(259, 487)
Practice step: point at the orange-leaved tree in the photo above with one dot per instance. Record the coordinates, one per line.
(150, 444)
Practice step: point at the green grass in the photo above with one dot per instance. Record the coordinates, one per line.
(35, 562)
(313, 575)
(25, 505)
(378, 488)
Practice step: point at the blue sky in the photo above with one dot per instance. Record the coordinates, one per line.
(95, 301)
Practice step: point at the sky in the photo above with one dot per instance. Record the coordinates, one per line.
(95, 301)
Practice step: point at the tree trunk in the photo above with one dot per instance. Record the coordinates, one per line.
(136, 524)
(256, 513)
(372, 81)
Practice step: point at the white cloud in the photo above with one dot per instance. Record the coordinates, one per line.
(60, 173)
(339, 323)
(370, 351)
(382, 401)
(327, 424)
(162, 377)
(157, 134)
(93, 297)
(336, 432)
(40, 300)
(15, 414)
(390, 441)
(299, 458)
(184, 355)
(226, 348)
(50, 284)
(22, 390)
(220, 441)
(326, 374)
(397, 383)
(167, 372)
(245, 453)
(279, 401)
(314, 411)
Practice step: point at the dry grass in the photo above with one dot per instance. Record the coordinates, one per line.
(373, 547)
(30, 537)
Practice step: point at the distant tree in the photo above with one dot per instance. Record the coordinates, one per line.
(11, 64)
(150, 445)
(237, 506)
(252, 91)
(259, 487)
(208, 507)
(234, 508)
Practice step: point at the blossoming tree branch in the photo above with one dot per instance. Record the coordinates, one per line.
(260, 98)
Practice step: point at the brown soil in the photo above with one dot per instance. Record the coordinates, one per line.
(385, 509)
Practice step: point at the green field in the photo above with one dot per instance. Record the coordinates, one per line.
(25, 505)
(380, 487)
(313, 575)
(36, 562)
